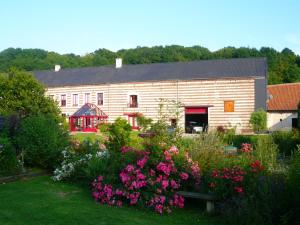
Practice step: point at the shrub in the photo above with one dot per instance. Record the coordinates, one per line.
(42, 140)
(9, 163)
(258, 120)
(292, 216)
(151, 179)
(119, 134)
(144, 123)
(267, 152)
(206, 149)
(287, 141)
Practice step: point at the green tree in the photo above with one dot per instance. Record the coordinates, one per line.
(258, 120)
(23, 95)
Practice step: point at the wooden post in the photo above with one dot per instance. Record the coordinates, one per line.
(210, 206)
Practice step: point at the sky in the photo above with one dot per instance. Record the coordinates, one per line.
(83, 26)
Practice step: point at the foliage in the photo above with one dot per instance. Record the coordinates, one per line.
(164, 134)
(144, 122)
(287, 141)
(206, 149)
(294, 189)
(119, 134)
(22, 94)
(267, 152)
(42, 140)
(9, 164)
(282, 66)
(298, 116)
(258, 120)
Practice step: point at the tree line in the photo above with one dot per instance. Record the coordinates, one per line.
(283, 66)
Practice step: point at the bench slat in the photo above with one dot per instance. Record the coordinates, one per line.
(208, 197)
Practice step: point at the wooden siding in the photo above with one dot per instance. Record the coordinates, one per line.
(211, 93)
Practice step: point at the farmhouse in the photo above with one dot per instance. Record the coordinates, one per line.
(282, 106)
(211, 93)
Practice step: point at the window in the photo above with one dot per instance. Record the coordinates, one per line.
(63, 100)
(51, 96)
(132, 120)
(75, 99)
(87, 98)
(228, 106)
(173, 123)
(100, 98)
(133, 101)
(294, 122)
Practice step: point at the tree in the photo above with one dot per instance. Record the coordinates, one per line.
(21, 94)
(299, 116)
(258, 120)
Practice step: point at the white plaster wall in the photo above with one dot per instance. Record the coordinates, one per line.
(280, 121)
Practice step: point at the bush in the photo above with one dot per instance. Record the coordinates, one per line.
(119, 134)
(207, 150)
(9, 163)
(42, 140)
(258, 120)
(267, 152)
(292, 217)
(287, 141)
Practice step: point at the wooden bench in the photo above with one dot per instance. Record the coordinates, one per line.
(210, 199)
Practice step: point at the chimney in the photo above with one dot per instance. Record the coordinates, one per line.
(118, 63)
(57, 68)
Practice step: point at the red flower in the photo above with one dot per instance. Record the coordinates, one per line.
(239, 190)
(256, 166)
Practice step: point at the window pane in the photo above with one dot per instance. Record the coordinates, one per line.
(75, 99)
(63, 101)
(100, 98)
(133, 101)
(87, 97)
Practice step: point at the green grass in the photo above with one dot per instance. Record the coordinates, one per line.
(83, 136)
(43, 201)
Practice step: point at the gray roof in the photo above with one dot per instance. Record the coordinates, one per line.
(203, 69)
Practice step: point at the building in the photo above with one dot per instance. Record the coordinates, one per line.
(282, 106)
(212, 93)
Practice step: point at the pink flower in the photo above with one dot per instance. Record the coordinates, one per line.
(165, 184)
(140, 176)
(184, 176)
(151, 172)
(119, 192)
(168, 156)
(129, 168)
(141, 162)
(173, 150)
(159, 208)
(174, 185)
(119, 203)
(100, 178)
(163, 167)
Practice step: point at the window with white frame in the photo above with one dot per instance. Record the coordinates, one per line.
(63, 100)
(75, 99)
(87, 98)
(99, 98)
(133, 101)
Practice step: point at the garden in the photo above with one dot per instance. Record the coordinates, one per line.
(120, 176)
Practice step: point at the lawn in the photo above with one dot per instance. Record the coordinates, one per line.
(43, 201)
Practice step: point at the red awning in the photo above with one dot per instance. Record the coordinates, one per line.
(196, 110)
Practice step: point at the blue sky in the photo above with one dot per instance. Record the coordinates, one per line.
(82, 26)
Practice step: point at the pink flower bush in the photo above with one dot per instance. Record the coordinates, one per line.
(161, 178)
